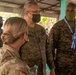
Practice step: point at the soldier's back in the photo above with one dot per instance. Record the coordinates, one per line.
(10, 63)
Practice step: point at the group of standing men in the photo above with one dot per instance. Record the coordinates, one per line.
(40, 49)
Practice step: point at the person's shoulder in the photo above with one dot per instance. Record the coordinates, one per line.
(58, 25)
(7, 64)
(12, 63)
(39, 26)
(12, 67)
(40, 30)
(2, 52)
(18, 65)
(60, 22)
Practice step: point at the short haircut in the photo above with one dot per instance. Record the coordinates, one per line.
(28, 4)
(13, 29)
(72, 5)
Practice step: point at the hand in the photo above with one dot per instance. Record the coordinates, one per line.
(52, 72)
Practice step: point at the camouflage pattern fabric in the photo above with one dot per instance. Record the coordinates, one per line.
(61, 38)
(34, 51)
(10, 62)
(1, 43)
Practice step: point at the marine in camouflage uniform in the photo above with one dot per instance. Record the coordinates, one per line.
(10, 62)
(34, 51)
(61, 39)
(13, 37)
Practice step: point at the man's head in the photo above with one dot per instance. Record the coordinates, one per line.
(32, 12)
(70, 12)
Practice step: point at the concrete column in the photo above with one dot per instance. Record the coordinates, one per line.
(63, 9)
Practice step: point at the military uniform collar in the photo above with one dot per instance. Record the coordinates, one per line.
(7, 47)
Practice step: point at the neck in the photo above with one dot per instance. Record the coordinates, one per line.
(15, 46)
(30, 23)
(69, 19)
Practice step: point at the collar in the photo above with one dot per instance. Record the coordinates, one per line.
(9, 48)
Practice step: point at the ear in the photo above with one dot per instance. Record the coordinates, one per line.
(26, 13)
(25, 37)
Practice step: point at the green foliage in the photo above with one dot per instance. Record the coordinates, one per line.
(47, 21)
(7, 15)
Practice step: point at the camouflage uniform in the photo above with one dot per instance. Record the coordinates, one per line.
(1, 43)
(61, 39)
(34, 52)
(10, 62)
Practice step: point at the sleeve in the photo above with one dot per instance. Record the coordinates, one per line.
(12, 68)
(52, 42)
(49, 56)
(54, 36)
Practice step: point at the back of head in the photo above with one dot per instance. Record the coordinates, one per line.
(14, 27)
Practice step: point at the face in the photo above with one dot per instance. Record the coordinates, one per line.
(70, 14)
(33, 13)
